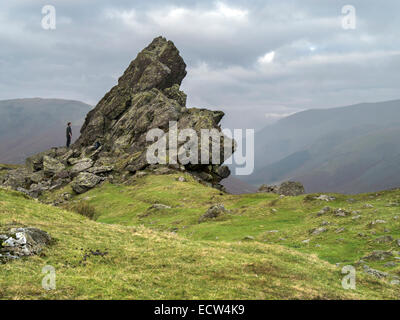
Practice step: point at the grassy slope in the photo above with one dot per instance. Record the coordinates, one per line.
(144, 263)
(254, 215)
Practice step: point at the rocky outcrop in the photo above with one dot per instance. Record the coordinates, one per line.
(148, 96)
(21, 242)
(287, 188)
(81, 165)
(317, 231)
(268, 188)
(113, 143)
(85, 181)
(51, 166)
(213, 212)
(378, 255)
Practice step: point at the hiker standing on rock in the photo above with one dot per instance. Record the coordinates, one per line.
(69, 134)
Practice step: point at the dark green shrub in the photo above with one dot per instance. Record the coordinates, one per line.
(84, 209)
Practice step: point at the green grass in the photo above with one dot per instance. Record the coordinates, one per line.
(148, 264)
(209, 260)
(254, 215)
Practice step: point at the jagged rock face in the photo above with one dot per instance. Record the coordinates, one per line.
(147, 96)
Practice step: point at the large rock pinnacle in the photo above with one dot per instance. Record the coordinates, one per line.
(147, 96)
(159, 66)
(156, 68)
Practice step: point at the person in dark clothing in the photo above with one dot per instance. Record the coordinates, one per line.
(69, 134)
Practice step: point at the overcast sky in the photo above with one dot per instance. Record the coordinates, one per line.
(256, 60)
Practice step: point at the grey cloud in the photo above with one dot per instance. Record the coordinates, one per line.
(221, 43)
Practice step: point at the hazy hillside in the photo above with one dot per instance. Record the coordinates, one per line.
(236, 186)
(32, 125)
(350, 149)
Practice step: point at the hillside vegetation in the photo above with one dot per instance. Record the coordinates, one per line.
(125, 229)
(167, 254)
(268, 218)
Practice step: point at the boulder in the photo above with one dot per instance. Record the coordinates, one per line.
(390, 264)
(36, 177)
(223, 172)
(376, 273)
(66, 156)
(248, 238)
(35, 162)
(384, 239)
(268, 189)
(85, 181)
(101, 169)
(287, 188)
(18, 178)
(317, 231)
(324, 197)
(340, 230)
(341, 212)
(213, 212)
(65, 174)
(323, 211)
(291, 188)
(159, 206)
(376, 222)
(36, 190)
(81, 165)
(51, 166)
(20, 242)
(368, 206)
(378, 255)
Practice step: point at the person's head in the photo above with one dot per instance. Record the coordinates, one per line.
(69, 124)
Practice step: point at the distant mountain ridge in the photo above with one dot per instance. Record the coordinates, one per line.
(236, 186)
(35, 124)
(349, 149)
